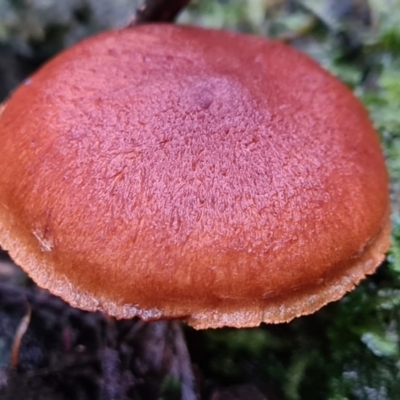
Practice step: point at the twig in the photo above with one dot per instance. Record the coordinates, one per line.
(22, 328)
(158, 11)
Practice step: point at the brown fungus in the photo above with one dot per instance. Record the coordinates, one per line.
(176, 172)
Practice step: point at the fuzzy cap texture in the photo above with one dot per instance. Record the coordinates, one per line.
(175, 172)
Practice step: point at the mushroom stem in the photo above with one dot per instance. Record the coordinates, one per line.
(184, 366)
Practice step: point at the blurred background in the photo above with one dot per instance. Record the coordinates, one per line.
(348, 350)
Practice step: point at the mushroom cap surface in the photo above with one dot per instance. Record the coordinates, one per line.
(176, 172)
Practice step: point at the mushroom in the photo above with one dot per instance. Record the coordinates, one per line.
(176, 172)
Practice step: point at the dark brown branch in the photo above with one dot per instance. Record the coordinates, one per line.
(158, 11)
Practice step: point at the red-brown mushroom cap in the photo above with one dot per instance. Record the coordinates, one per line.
(176, 172)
